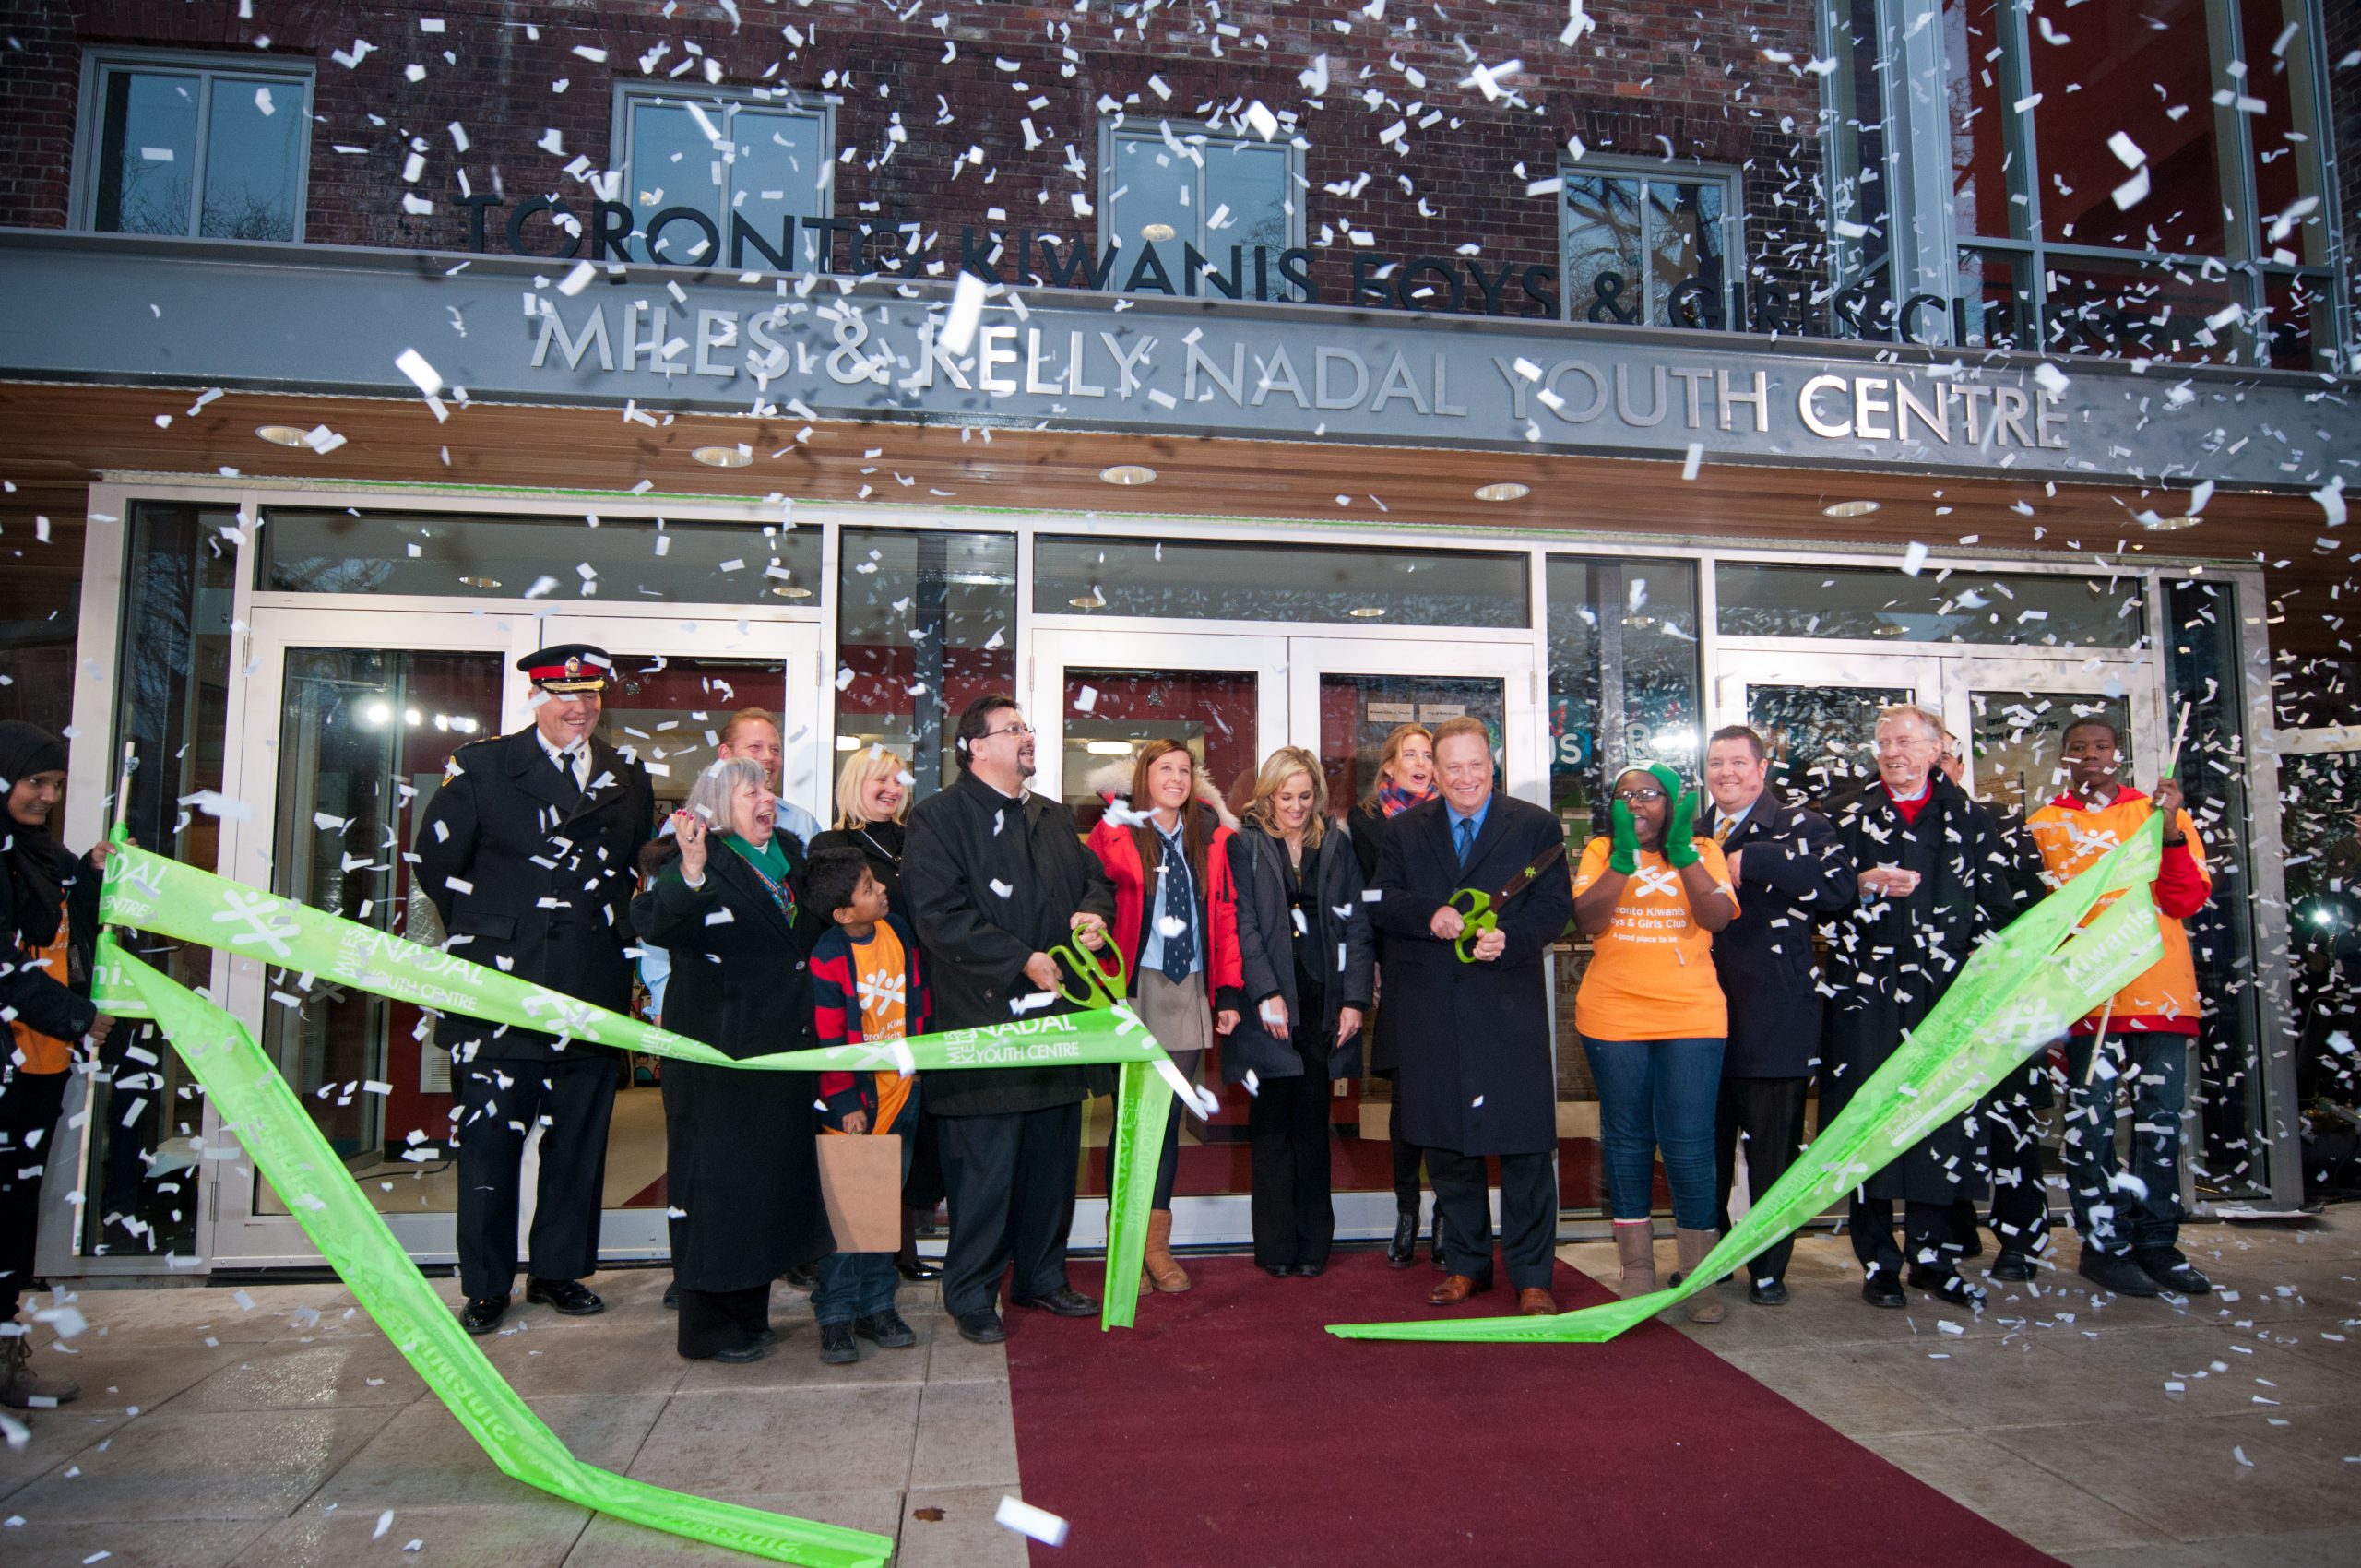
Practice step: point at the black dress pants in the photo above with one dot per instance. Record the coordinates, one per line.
(1528, 1215)
(499, 1103)
(1407, 1157)
(30, 1103)
(1286, 1124)
(1926, 1234)
(1770, 1113)
(2020, 1189)
(1010, 1180)
(922, 1187)
(715, 1321)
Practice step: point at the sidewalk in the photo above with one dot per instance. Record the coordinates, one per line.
(279, 1429)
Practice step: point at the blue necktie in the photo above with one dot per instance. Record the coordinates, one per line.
(1464, 837)
(1179, 948)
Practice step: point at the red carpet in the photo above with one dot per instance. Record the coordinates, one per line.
(1229, 1430)
(1355, 1165)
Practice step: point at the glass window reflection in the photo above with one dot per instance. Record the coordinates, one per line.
(190, 151)
(1225, 580)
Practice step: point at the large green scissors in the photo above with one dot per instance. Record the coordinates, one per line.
(1479, 910)
(1099, 990)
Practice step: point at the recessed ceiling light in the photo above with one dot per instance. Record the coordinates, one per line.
(1639, 622)
(723, 456)
(1128, 473)
(1848, 509)
(2155, 524)
(789, 590)
(482, 582)
(1507, 489)
(848, 742)
(283, 435)
(1155, 233)
(1091, 601)
(1108, 748)
(1366, 612)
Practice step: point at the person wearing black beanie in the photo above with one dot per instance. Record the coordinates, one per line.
(49, 926)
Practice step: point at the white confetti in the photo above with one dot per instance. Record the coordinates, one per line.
(385, 1523)
(1914, 560)
(966, 308)
(1026, 1520)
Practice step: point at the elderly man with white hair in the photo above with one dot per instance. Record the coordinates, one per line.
(1935, 880)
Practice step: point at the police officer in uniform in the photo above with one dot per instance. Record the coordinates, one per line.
(528, 853)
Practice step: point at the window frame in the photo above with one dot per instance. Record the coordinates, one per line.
(1115, 128)
(626, 95)
(1644, 171)
(90, 129)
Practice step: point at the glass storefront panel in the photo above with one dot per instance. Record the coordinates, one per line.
(2017, 741)
(1953, 605)
(621, 560)
(1975, 93)
(2141, 71)
(926, 624)
(1820, 737)
(173, 673)
(2319, 814)
(1109, 714)
(2150, 310)
(1623, 678)
(1289, 584)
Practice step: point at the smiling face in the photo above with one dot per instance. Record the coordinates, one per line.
(1291, 804)
(1002, 755)
(565, 719)
(1465, 762)
(1170, 778)
(1643, 795)
(1734, 775)
(1414, 765)
(1907, 747)
(870, 901)
(34, 796)
(2094, 765)
(883, 792)
(756, 740)
(754, 812)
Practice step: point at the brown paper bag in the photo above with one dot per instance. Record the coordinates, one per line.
(860, 1183)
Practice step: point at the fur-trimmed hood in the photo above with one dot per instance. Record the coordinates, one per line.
(1113, 782)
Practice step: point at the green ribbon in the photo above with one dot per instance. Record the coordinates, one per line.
(2016, 993)
(149, 892)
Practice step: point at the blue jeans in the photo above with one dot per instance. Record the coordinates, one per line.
(858, 1284)
(2116, 1210)
(1659, 1093)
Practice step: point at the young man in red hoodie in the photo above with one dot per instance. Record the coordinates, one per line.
(2130, 1221)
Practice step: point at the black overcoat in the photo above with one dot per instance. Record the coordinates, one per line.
(739, 1155)
(963, 847)
(1340, 934)
(1477, 1066)
(880, 844)
(530, 884)
(1797, 875)
(1367, 833)
(1890, 959)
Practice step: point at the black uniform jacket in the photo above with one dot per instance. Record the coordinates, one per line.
(1474, 1072)
(531, 884)
(1795, 875)
(740, 1155)
(988, 881)
(1891, 960)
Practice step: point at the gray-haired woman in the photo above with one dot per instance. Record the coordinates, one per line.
(740, 1171)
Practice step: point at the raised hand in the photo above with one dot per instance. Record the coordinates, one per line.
(689, 830)
(1623, 844)
(1680, 832)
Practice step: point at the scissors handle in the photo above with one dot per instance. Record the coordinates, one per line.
(1097, 991)
(1477, 917)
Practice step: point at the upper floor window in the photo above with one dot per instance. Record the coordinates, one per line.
(760, 158)
(1171, 190)
(1650, 243)
(193, 145)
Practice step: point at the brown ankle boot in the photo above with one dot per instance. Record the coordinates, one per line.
(1706, 1305)
(1635, 1248)
(1162, 1271)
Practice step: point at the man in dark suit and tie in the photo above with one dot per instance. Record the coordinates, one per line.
(1790, 875)
(1475, 1076)
(528, 853)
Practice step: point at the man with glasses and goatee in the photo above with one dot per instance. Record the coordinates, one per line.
(994, 877)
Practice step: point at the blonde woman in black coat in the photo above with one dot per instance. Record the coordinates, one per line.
(1306, 952)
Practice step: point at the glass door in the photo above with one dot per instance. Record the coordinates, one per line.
(328, 786)
(1817, 710)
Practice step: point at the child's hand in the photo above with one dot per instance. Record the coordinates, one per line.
(856, 1122)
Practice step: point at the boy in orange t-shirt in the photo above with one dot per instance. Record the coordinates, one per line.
(2129, 1223)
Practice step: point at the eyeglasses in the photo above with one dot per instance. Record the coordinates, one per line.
(1638, 797)
(1011, 729)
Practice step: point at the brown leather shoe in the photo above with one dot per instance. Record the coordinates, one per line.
(1455, 1289)
(1536, 1302)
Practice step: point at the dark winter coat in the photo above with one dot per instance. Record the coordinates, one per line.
(532, 885)
(739, 1161)
(961, 842)
(1367, 835)
(1890, 959)
(880, 844)
(1341, 935)
(1795, 875)
(1477, 1066)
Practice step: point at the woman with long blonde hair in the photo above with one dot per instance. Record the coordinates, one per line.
(1167, 854)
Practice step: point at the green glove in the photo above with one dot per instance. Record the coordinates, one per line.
(1680, 832)
(1623, 847)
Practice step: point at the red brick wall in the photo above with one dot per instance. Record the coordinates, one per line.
(1692, 73)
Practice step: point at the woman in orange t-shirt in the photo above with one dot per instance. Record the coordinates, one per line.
(1652, 1018)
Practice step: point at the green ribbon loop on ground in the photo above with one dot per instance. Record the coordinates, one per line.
(150, 893)
(2017, 992)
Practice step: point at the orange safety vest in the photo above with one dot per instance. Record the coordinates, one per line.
(2071, 836)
